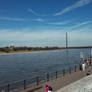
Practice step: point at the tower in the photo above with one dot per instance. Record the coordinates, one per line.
(66, 40)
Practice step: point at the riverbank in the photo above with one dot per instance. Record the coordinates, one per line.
(26, 51)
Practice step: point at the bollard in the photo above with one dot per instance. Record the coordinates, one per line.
(63, 72)
(75, 68)
(78, 67)
(37, 80)
(24, 84)
(69, 70)
(56, 74)
(8, 87)
(47, 77)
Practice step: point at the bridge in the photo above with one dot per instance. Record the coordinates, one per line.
(77, 47)
(74, 47)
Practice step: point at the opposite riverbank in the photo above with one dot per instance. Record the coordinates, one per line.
(26, 51)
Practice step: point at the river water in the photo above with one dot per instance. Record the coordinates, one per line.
(23, 66)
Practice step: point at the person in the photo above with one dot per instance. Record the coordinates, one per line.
(47, 88)
(50, 89)
(88, 73)
(87, 62)
(80, 67)
(84, 66)
(90, 62)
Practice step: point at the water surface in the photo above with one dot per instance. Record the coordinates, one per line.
(22, 66)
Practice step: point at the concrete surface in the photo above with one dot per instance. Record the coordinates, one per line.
(82, 85)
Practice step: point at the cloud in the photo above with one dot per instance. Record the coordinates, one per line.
(37, 14)
(12, 19)
(59, 23)
(33, 12)
(8, 34)
(38, 20)
(24, 37)
(20, 19)
(74, 6)
(81, 24)
(80, 38)
(78, 27)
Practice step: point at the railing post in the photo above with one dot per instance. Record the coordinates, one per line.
(56, 74)
(47, 77)
(75, 68)
(8, 87)
(69, 70)
(24, 84)
(37, 80)
(79, 66)
(63, 72)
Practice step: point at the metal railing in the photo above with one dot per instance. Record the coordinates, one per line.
(24, 84)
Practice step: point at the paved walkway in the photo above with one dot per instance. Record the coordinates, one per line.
(82, 85)
(60, 82)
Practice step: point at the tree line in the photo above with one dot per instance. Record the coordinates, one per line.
(13, 48)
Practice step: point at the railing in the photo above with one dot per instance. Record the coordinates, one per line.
(23, 84)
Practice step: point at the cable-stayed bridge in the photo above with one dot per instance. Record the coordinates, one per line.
(77, 47)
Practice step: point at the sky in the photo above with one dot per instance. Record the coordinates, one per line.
(45, 22)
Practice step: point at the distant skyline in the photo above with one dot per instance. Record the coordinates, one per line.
(45, 22)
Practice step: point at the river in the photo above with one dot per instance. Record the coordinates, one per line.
(22, 66)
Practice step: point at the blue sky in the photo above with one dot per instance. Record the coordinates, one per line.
(45, 22)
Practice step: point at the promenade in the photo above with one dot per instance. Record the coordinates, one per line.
(58, 83)
(82, 85)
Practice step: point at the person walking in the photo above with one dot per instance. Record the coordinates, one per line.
(80, 67)
(84, 66)
(47, 88)
(50, 89)
(88, 73)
